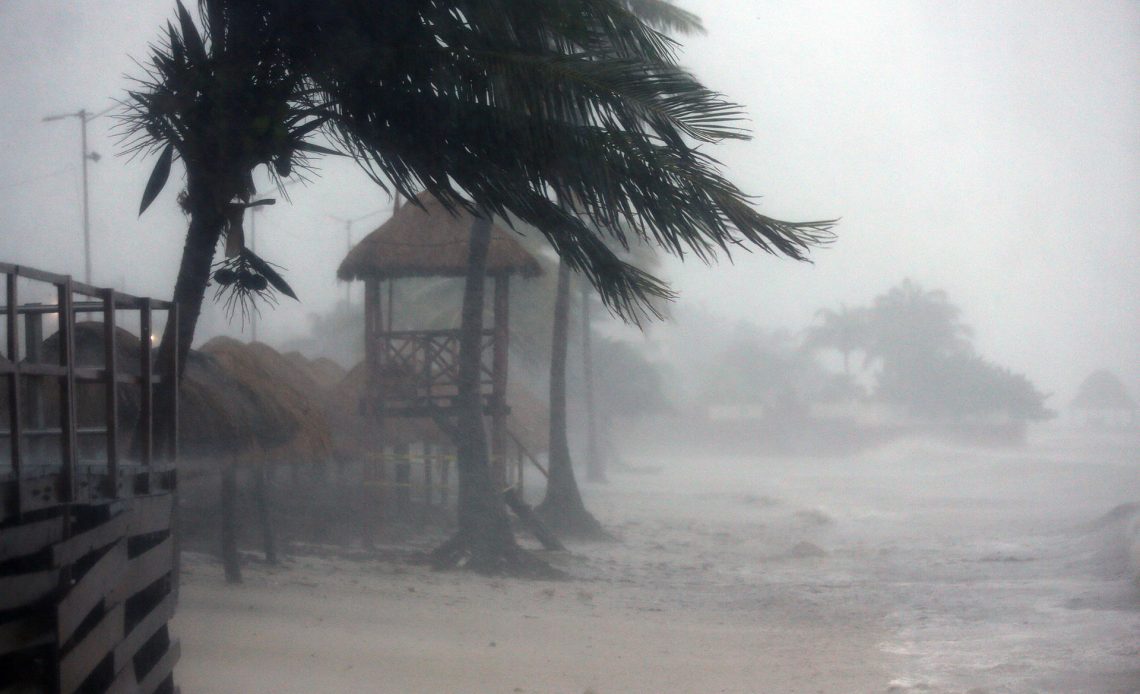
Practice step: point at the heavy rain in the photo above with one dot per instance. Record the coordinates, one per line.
(561, 346)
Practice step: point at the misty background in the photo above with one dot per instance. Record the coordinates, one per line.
(986, 149)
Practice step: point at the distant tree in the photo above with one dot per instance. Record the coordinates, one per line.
(908, 330)
(929, 366)
(844, 330)
(1103, 398)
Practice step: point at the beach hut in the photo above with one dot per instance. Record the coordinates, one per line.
(412, 373)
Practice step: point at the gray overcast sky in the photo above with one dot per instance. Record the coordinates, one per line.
(991, 149)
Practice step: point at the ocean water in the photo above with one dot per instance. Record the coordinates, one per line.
(988, 571)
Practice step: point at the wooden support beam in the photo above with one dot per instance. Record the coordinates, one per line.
(111, 385)
(146, 398)
(68, 441)
(15, 402)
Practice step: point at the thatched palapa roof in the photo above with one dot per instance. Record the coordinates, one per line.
(430, 241)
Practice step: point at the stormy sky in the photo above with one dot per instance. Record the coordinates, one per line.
(990, 149)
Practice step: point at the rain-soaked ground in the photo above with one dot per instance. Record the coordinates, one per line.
(918, 567)
(1012, 570)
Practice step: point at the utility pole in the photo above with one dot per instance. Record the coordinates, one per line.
(84, 117)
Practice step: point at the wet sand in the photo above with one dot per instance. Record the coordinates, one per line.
(676, 605)
(915, 568)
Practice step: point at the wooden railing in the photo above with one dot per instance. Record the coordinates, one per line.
(86, 542)
(419, 369)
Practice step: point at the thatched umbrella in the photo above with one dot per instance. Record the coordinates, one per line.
(288, 421)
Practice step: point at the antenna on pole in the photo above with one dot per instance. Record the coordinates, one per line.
(84, 118)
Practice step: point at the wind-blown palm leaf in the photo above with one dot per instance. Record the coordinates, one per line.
(507, 106)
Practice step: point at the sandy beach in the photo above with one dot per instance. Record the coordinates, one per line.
(911, 569)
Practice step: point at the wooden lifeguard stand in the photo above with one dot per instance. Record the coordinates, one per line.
(413, 373)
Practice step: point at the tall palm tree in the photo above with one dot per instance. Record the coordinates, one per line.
(844, 330)
(501, 107)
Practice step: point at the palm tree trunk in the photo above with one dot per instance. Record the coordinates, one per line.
(484, 541)
(206, 226)
(562, 509)
(595, 463)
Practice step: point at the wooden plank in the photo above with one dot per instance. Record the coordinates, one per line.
(29, 632)
(77, 664)
(150, 514)
(24, 589)
(161, 669)
(149, 566)
(124, 682)
(98, 583)
(129, 646)
(29, 538)
(76, 547)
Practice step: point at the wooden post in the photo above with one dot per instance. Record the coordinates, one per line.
(429, 463)
(448, 452)
(499, 381)
(111, 385)
(402, 454)
(68, 441)
(33, 387)
(15, 413)
(146, 387)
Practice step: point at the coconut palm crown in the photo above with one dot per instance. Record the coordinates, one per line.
(504, 106)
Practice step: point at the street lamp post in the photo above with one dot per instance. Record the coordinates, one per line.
(84, 117)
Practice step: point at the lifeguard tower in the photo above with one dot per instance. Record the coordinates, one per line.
(412, 373)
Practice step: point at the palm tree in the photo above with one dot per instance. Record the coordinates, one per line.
(502, 108)
(562, 508)
(844, 330)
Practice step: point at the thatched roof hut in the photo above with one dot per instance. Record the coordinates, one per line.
(426, 240)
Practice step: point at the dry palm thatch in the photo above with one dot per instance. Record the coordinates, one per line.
(424, 239)
(322, 371)
(288, 421)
